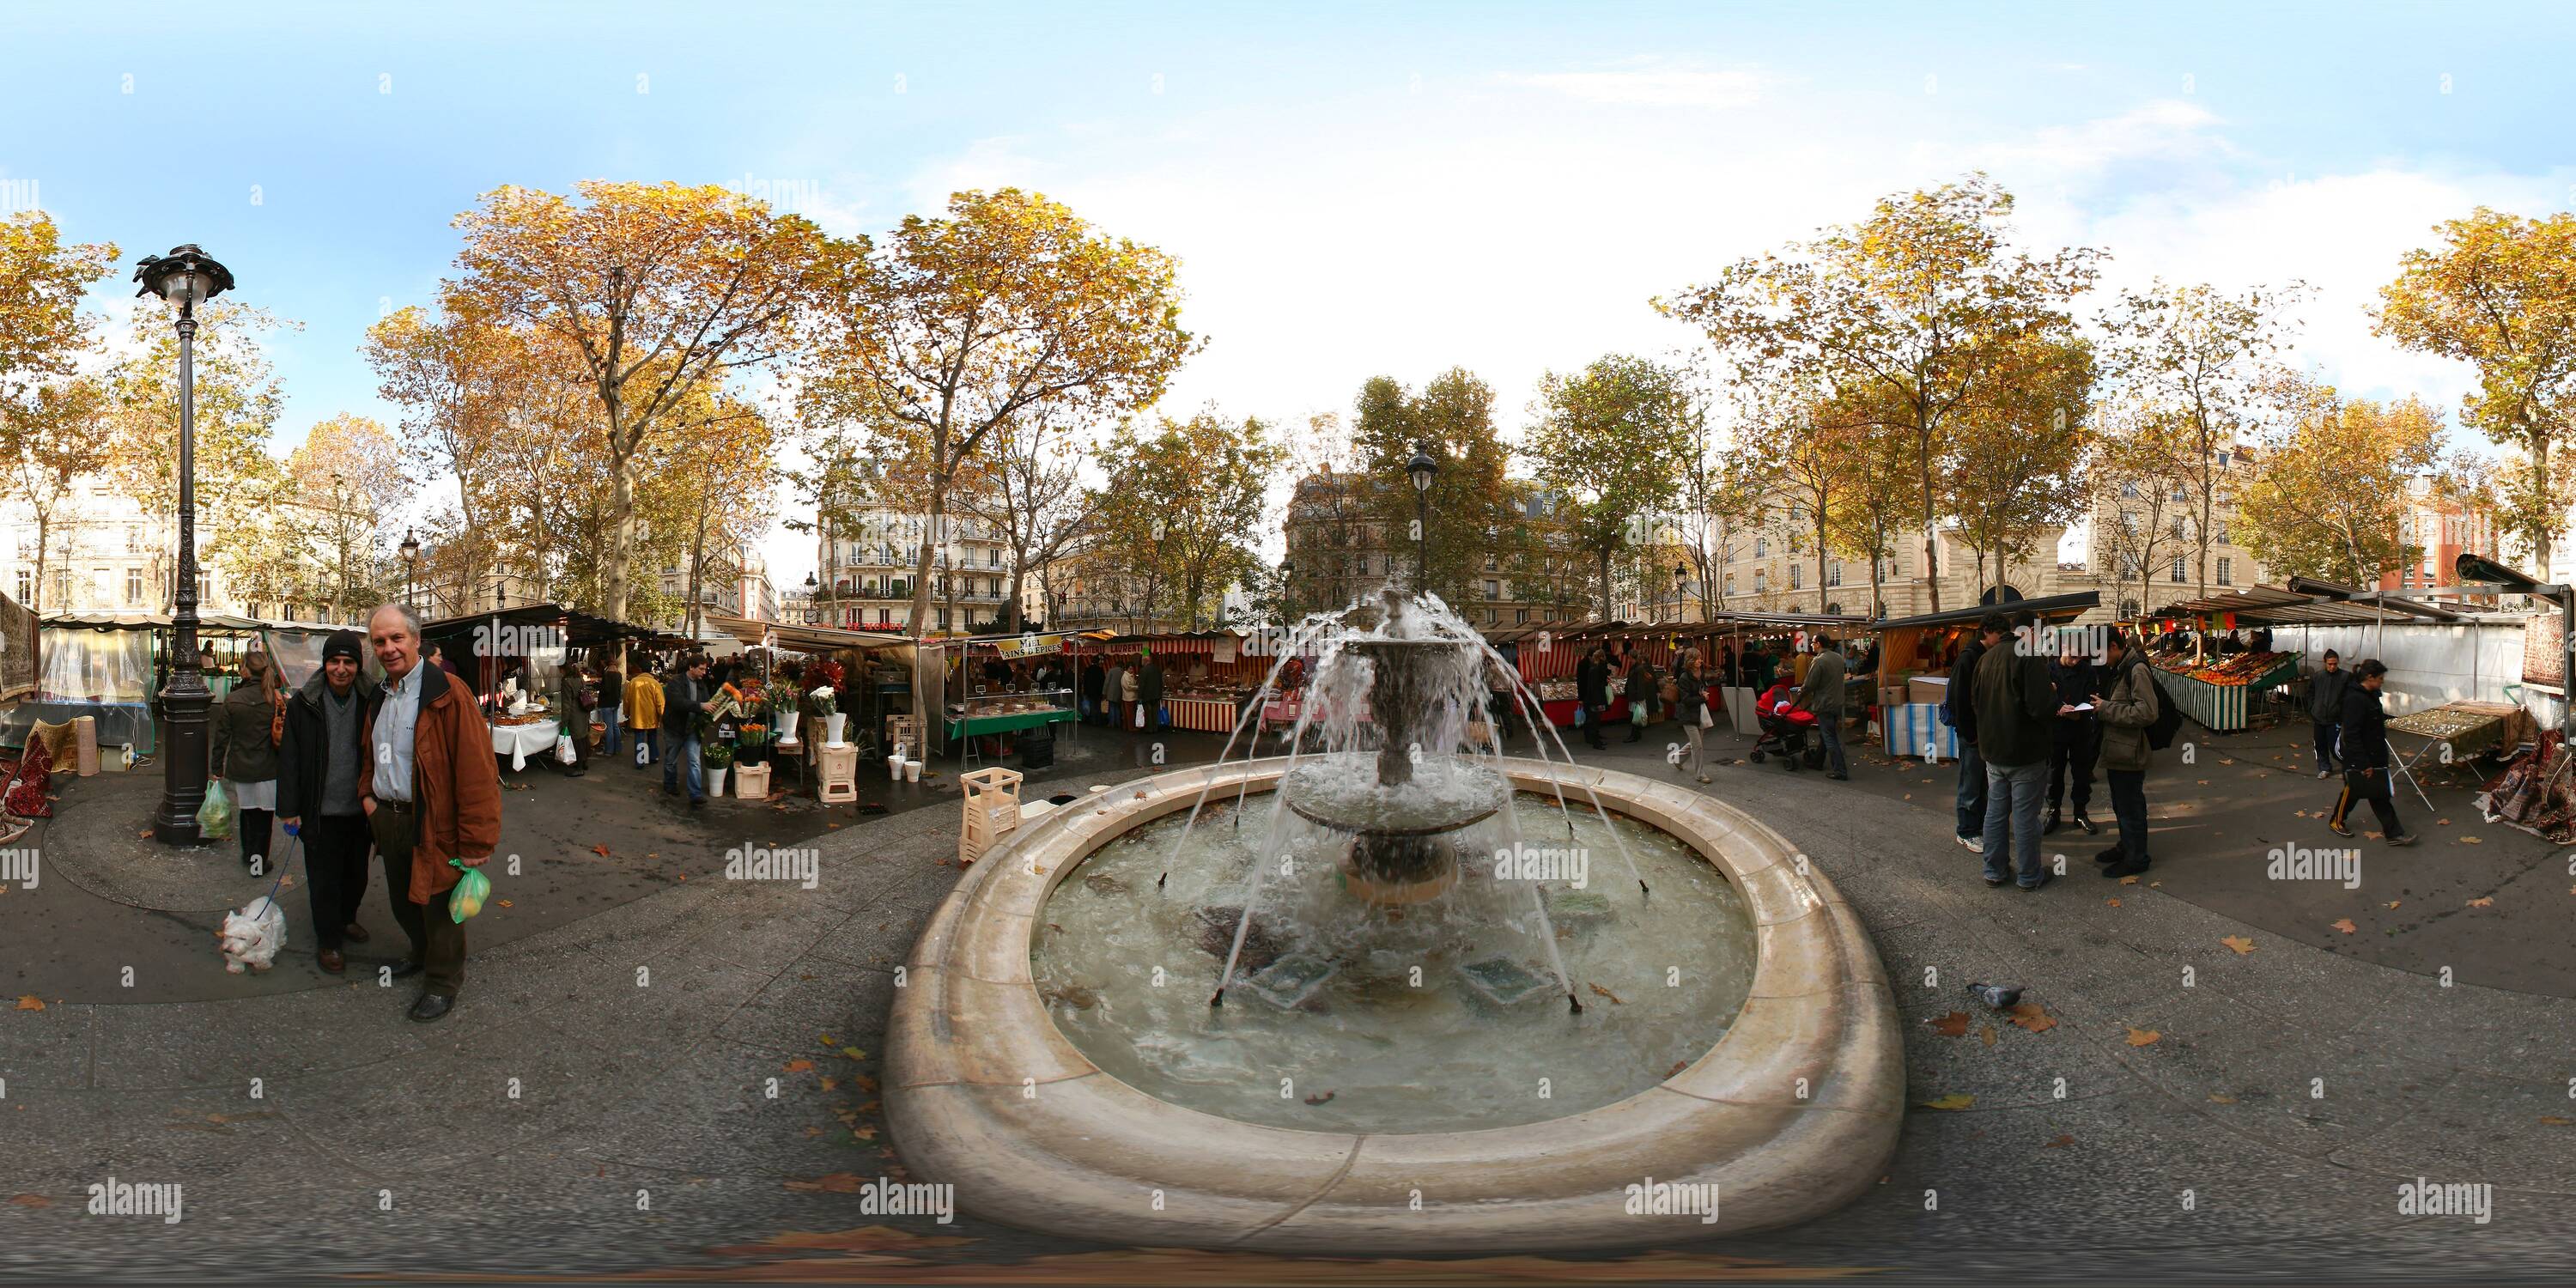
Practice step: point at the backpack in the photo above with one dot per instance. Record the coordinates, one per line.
(2168, 721)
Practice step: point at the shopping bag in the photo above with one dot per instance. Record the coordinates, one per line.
(1706, 721)
(1578, 715)
(215, 815)
(467, 898)
(563, 749)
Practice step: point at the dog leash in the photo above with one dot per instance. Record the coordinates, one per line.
(293, 839)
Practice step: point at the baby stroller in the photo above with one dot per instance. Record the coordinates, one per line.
(1785, 731)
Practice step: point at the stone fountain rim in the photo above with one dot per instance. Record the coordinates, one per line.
(1793, 1112)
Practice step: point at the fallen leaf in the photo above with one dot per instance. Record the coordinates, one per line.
(2128, 880)
(2552, 1120)
(2441, 822)
(505, 903)
(812, 1132)
(828, 1039)
(2143, 1037)
(2240, 943)
(39, 1200)
(2114, 902)
(835, 1183)
(2394, 902)
(31, 1002)
(2484, 902)
(2217, 1099)
(1986, 1034)
(2155, 885)
(830, 1084)
(1951, 1102)
(2033, 1017)
(2345, 925)
(1603, 992)
(1953, 1025)
(1678, 1066)
(799, 1066)
(2060, 1143)
(600, 850)
(1321, 1099)
(2469, 840)
(864, 1133)
(854, 1053)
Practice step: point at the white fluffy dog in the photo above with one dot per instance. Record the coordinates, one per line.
(252, 936)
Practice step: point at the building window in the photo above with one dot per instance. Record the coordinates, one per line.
(2177, 569)
(1492, 616)
(26, 586)
(1493, 589)
(2224, 574)
(1761, 547)
(1730, 583)
(133, 538)
(133, 585)
(1758, 579)
(1834, 573)
(2129, 491)
(1520, 616)
(1795, 576)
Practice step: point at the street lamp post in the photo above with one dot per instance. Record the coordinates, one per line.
(411, 566)
(185, 277)
(1422, 467)
(810, 587)
(1681, 588)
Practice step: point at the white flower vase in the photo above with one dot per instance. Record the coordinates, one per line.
(715, 781)
(832, 727)
(787, 725)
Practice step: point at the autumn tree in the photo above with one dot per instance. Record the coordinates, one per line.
(1034, 496)
(347, 481)
(1189, 499)
(2142, 473)
(2499, 292)
(1721, 491)
(1611, 441)
(51, 435)
(1470, 516)
(1879, 491)
(2017, 464)
(956, 325)
(2330, 488)
(42, 330)
(462, 379)
(655, 291)
(238, 402)
(1913, 310)
(2211, 362)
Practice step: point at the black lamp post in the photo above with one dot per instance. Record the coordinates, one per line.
(811, 586)
(1422, 467)
(411, 566)
(185, 277)
(1681, 588)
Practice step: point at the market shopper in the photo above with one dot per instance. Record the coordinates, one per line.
(2365, 756)
(1113, 686)
(1592, 696)
(432, 800)
(644, 710)
(2076, 739)
(2015, 709)
(1821, 692)
(1959, 708)
(1690, 698)
(1641, 696)
(1094, 681)
(2130, 702)
(2325, 709)
(245, 755)
(1149, 692)
(684, 700)
(1129, 686)
(319, 765)
(574, 697)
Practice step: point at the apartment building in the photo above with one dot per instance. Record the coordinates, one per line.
(103, 553)
(870, 563)
(1336, 555)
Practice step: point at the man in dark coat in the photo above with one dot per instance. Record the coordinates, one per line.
(684, 699)
(1960, 708)
(1592, 692)
(2325, 709)
(2076, 738)
(2015, 710)
(1149, 692)
(2365, 757)
(1095, 680)
(319, 765)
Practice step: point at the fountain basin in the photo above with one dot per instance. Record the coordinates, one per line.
(1792, 1113)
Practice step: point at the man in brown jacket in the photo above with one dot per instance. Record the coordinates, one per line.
(434, 794)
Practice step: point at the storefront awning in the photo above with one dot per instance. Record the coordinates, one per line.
(2053, 608)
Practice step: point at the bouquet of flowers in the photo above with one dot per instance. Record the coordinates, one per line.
(825, 672)
(824, 702)
(716, 755)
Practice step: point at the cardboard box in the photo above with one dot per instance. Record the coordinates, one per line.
(1931, 689)
(1892, 696)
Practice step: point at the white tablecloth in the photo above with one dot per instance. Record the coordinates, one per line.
(516, 741)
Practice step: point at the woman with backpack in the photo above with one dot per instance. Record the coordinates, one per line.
(246, 733)
(2131, 711)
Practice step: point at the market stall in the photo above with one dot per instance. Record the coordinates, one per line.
(1915, 655)
(515, 738)
(2222, 692)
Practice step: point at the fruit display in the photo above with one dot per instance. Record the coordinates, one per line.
(2232, 668)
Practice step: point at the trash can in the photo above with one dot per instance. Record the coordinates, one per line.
(1037, 747)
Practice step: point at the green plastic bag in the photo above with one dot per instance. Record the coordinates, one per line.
(215, 815)
(467, 898)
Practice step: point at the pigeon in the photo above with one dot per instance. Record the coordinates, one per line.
(1994, 995)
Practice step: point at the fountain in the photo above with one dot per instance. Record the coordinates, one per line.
(1398, 901)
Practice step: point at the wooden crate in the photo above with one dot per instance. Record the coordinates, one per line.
(751, 782)
(902, 729)
(992, 810)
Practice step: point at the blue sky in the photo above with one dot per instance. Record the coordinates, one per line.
(1352, 189)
